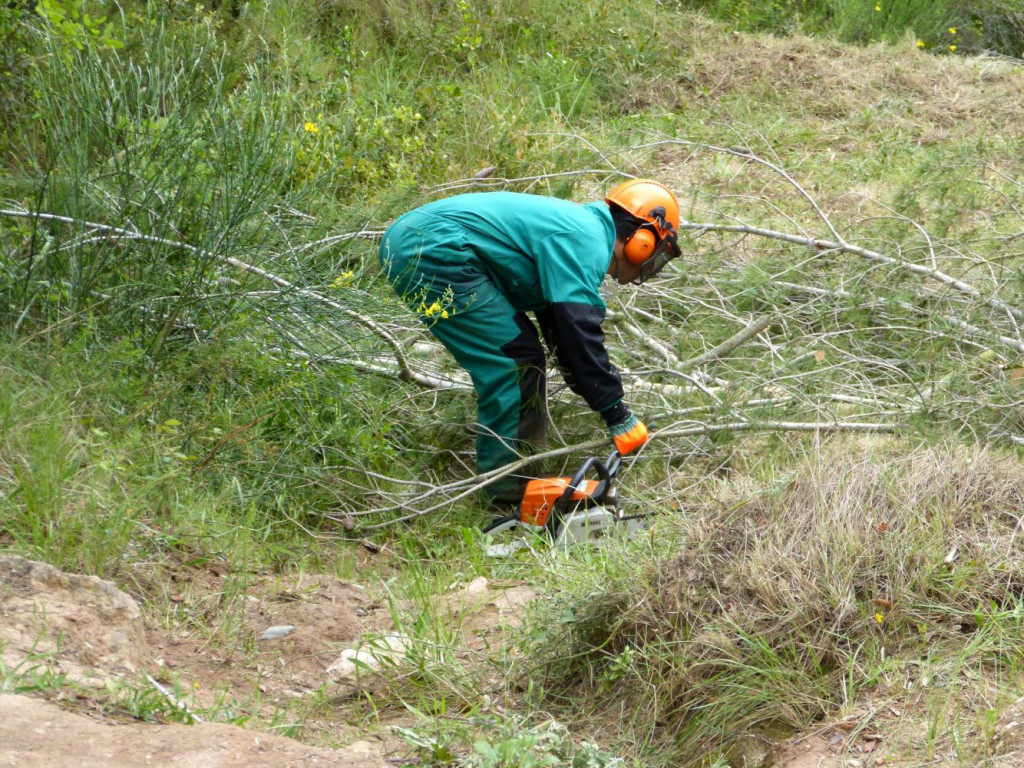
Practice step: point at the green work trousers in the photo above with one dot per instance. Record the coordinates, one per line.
(439, 277)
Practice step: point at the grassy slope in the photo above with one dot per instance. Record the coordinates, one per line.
(99, 448)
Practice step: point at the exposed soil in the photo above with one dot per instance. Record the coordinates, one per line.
(38, 733)
(55, 623)
(94, 634)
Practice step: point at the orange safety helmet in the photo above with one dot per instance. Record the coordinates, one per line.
(655, 204)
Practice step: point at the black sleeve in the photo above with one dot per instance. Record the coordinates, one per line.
(573, 332)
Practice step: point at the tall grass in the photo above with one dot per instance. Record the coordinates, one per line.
(782, 605)
(159, 142)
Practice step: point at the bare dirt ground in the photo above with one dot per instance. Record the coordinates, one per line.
(54, 623)
(37, 733)
(85, 629)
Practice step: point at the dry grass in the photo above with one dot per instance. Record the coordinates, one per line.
(932, 96)
(846, 530)
(780, 605)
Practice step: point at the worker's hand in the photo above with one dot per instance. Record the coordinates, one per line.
(628, 435)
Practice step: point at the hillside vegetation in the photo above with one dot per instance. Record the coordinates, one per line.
(201, 367)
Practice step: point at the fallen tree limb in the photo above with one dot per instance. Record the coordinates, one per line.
(406, 371)
(470, 485)
(819, 244)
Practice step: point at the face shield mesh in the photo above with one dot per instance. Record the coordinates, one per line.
(666, 250)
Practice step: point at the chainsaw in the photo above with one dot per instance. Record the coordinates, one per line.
(580, 509)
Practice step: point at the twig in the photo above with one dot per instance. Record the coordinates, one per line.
(843, 247)
(169, 695)
(973, 330)
(229, 436)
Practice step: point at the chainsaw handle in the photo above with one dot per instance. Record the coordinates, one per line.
(606, 473)
(614, 463)
(559, 508)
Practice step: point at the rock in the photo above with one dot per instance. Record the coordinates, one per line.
(476, 589)
(276, 633)
(87, 622)
(470, 598)
(750, 751)
(368, 658)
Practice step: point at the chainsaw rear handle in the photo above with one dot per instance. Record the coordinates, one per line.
(606, 473)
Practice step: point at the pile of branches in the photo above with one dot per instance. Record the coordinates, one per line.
(777, 319)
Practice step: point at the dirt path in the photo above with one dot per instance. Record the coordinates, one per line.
(38, 734)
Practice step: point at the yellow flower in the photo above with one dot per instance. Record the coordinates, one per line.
(879, 617)
(952, 49)
(952, 30)
(444, 314)
(920, 43)
(433, 308)
(310, 127)
(343, 280)
(878, 6)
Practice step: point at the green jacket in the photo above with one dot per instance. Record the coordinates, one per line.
(547, 256)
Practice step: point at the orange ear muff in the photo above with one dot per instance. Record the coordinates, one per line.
(640, 245)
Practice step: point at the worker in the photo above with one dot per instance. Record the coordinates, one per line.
(472, 266)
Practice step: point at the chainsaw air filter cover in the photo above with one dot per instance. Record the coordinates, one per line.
(542, 494)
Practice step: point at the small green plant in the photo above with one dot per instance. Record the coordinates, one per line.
(510, 743)
(431, 750)
(75, 26)
(37, 673)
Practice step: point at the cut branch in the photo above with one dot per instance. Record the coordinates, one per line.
(830, 245)
(730, 344)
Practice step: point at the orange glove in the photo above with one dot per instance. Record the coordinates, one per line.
(629, 435)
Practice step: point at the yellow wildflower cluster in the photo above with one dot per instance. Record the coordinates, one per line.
(949, 44)
(433, 309)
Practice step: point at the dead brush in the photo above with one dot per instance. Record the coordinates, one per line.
(779, 605)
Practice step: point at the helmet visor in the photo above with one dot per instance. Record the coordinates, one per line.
(665, 251)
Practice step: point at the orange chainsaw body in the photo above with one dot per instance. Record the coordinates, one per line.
(540, 496)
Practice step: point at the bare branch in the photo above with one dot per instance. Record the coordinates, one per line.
(842, 247)
(729, 344)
